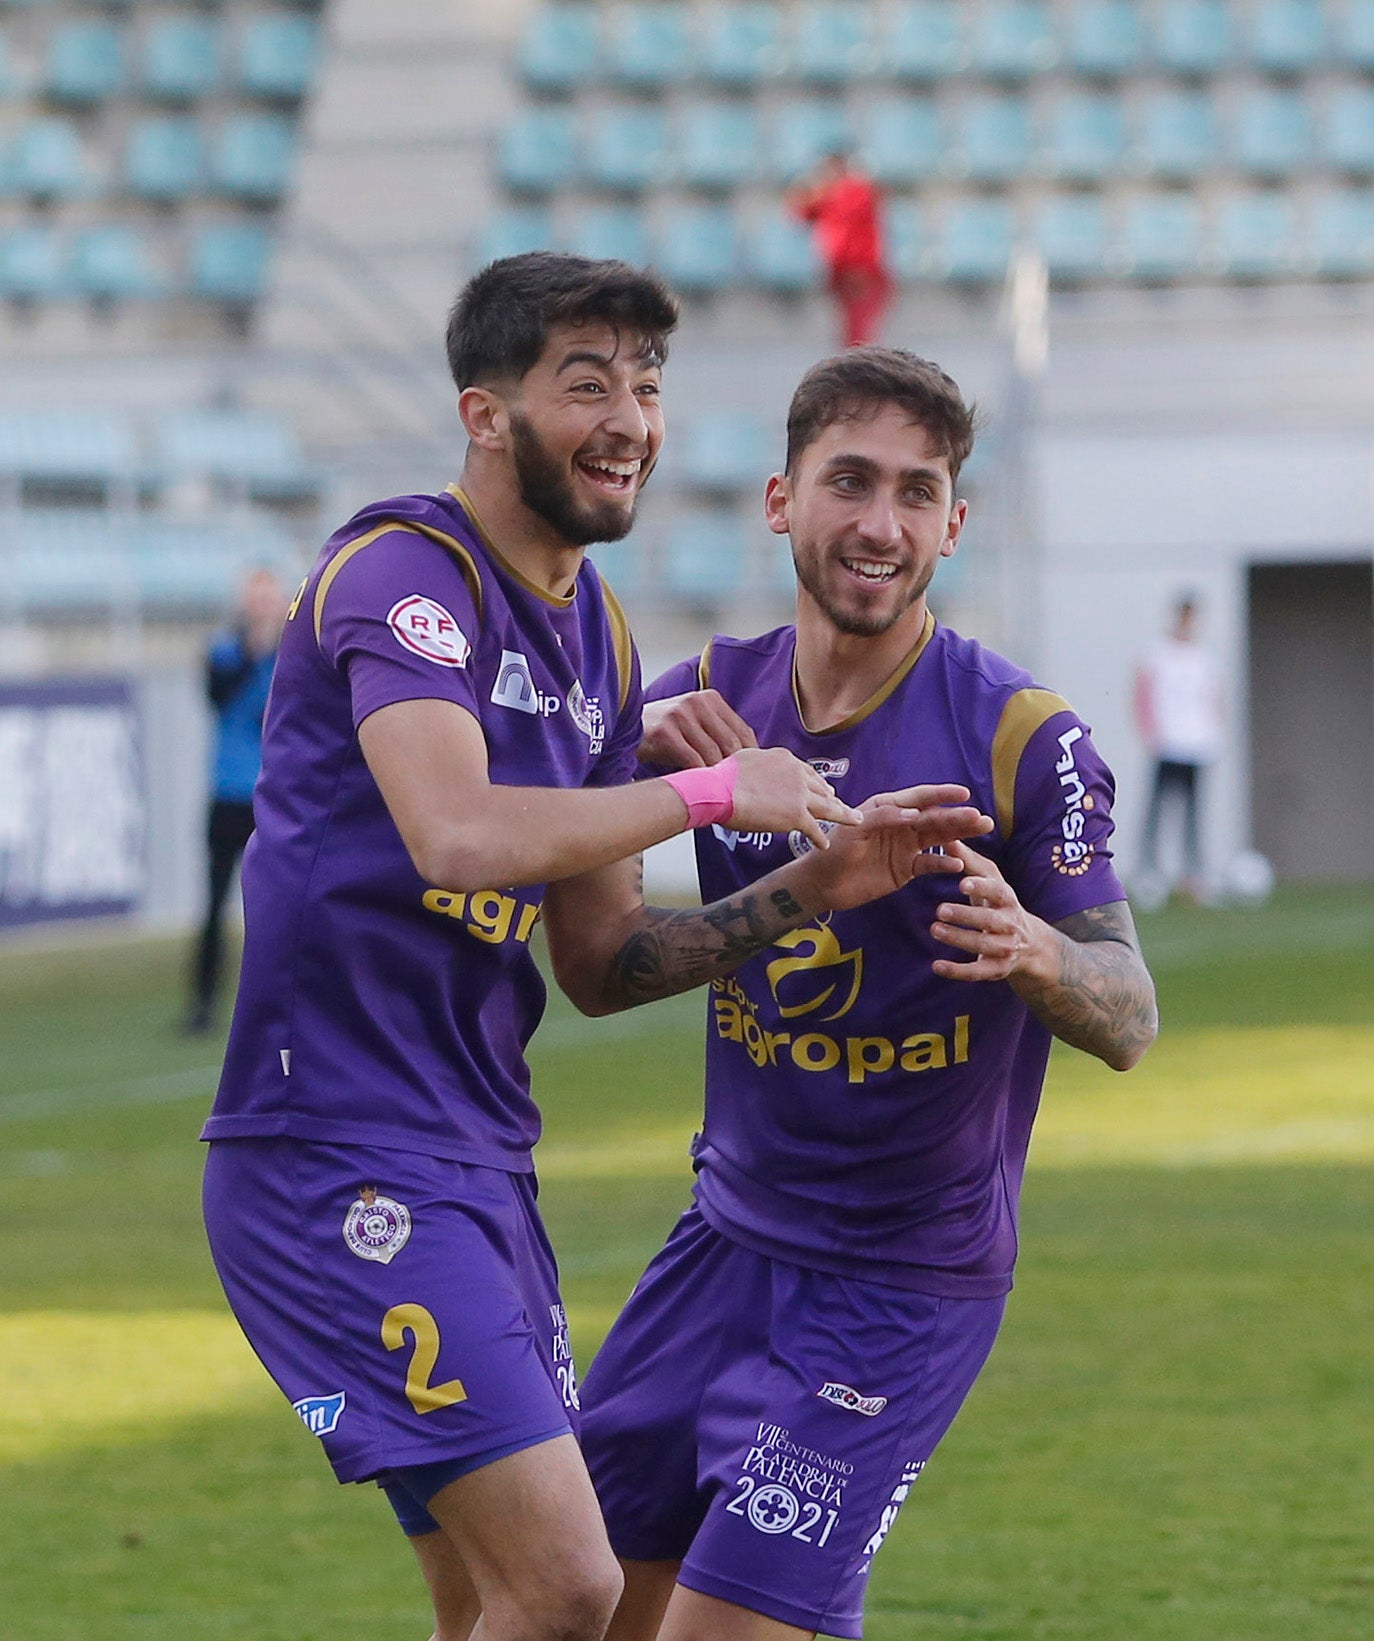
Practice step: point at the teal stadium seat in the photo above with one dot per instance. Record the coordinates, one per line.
(626, 148)
(1178, 135)
(705, 557)
(976, 240)
(716, 145)
(1347, 130)
(1161, 237)
(650, 46)
(82, 446)
(1013, 39)
(923, 40)
(515, 231)
(47, 161)
(831, 42)
(32, 264)
(164, 158)
(113, 263)
(559, 51)
(538, 153)
(277, 57)
(10, 85)
(227, 262)
(1287, 36)
(992, 138)
(610, 231)
(195, 566)
(908, 236)
(698, 249)
(252, 156)
(803, 133)
(181, 59)
(903, 142)
(85, 63)
(1272, 133)
(741, 44)
(1071, 235)
(1353, 43)
(780, 255)
(620, 564)
(1085, 137)
(1341, 237)
(247, 447)
(1193, 37)
(729, 451)
(1256, 236)
(69, 559)
(1105, 39)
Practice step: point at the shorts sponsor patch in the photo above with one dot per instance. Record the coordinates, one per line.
(426, 628)
(890, 1511)
(846, 1396)
(376, 1227)
(786, 1487)
(320, 1414)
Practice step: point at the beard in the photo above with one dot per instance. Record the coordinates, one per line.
(856, 622)
(546, 489)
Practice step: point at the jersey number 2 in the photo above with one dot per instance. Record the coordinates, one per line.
(416, 1321)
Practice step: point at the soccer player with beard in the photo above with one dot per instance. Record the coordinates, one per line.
(449, 749)
(789, 1361)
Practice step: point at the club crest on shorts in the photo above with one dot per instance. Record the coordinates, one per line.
(376, 1227)
(846, 1396)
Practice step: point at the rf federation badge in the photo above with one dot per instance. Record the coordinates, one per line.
(376, 1227)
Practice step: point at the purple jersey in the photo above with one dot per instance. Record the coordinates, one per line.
(864, 1116)
(375, 1008)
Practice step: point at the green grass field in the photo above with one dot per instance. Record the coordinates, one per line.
(1172, 1443)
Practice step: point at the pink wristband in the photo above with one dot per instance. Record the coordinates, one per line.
(708, 793)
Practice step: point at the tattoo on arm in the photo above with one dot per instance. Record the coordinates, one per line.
(1103, 1000)
(671, 952)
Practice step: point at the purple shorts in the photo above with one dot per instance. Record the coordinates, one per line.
(406, 1306)
(762, 1423)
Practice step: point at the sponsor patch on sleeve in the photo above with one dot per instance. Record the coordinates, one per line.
(428, 629)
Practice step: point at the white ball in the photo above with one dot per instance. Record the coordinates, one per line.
(1249, 878)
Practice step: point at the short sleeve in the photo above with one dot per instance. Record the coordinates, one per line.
(618, 764)
(1058, 857)
(398, 620)
(678, 680)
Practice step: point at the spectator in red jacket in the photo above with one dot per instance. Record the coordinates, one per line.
(846, 210)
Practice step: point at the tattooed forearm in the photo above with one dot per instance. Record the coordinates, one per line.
(1102, 999)
(671, 952)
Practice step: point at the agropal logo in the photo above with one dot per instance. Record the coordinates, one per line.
(816, 977)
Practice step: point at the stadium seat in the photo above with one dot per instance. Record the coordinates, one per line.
(705, 557)
(1178, 135)
(975, 241)
(620, 564)
(716, 145)
(195, 566)
(1013, 39)
(513, 232)
(615, 231)
(66, 559)
(731, 450)
(1347, 134)
(1193, 37)
(113, 262)
(698, 249)
(993, 138)
(1104, 39)
(1085, 139)
(181, 59)
(538, 154)
(1161, 237)
(252, 156)
(32, 263)
(228, 261)
(10, 83)
(47, 161)
(277, 57)
(741, 44)
(559, 50)
(1071, 235)
(1353, 43)
(626, 148)
(908, 241)
(780, 254)
(830, 42)
(650, 46)
(902, 141)
(78, 445)
(922, 40)
(164, 158)
(85, 63)
(1272, 133)
(1287, 36)
(1341, 238)
(244, 447)
(1256, 236)
(803, 133)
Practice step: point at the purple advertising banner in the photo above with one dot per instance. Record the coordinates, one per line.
(73, 800)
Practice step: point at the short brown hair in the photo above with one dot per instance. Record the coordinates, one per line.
(860, 381)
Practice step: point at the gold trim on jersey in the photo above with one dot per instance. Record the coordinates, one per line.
(881, 694)
(449, 543)
(620, 638)
(704, 666)
(1023, 714)
(461, 497)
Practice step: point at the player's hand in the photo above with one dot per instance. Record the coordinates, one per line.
(692, 731)
(993, 927)
(890, 848)
(776, 792)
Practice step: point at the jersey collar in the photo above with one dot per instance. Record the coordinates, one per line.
(883, 691)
